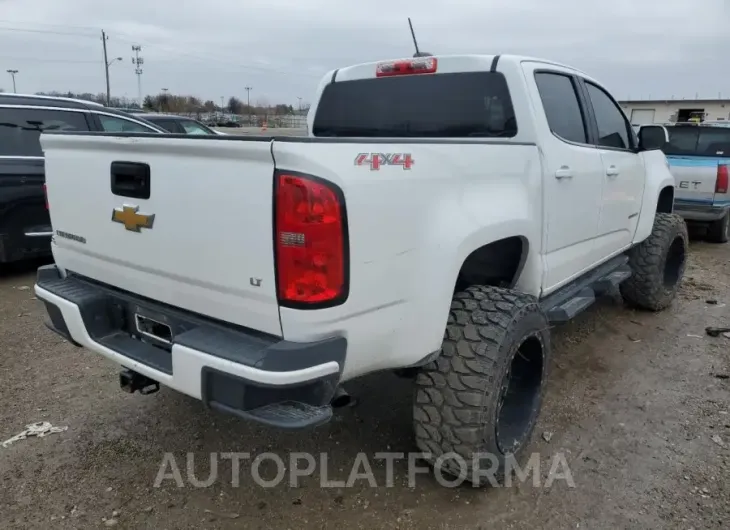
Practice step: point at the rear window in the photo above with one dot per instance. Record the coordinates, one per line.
(193, 127)
(460, 105)
(168, 125)
(20, 128)
(698, 141)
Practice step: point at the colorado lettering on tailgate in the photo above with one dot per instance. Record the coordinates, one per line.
(376, 160)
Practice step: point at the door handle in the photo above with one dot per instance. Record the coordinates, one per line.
(612, 171)
(130, 179)
(564, 173)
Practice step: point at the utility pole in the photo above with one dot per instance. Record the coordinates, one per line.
(106, 68)
(12, 74)
(107, 64)
(138, 61)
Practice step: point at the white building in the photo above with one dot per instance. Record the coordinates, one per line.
(644, 112)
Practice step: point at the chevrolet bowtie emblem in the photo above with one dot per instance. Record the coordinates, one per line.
(131, 219)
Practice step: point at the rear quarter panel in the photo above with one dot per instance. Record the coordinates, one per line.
(658, 177)
(409, 232)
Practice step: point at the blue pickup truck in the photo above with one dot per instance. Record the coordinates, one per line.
(699, 159)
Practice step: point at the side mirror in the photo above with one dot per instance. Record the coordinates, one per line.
(653, 137)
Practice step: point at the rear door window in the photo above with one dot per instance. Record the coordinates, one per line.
(562, 109)
(458, 105)
(20, 128)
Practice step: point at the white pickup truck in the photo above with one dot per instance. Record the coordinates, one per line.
(443, 214)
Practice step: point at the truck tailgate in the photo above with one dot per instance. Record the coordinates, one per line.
(199, 239)
(695, 177)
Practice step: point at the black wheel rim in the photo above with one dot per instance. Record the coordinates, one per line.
(674, 263)
(520, 396)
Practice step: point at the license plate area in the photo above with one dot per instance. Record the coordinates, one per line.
(153, 329)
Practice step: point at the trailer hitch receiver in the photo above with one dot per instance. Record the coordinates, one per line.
(131, 382)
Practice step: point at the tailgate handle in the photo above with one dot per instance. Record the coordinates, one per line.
(131, 179)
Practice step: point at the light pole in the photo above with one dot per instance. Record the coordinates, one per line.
(248, 90)
(12, 73)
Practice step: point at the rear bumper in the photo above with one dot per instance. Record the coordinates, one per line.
(251, 375)
(700, 211)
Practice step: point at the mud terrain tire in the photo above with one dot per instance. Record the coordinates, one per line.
(483, 393)
(657, 264)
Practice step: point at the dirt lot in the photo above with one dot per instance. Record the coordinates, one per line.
(638, 403)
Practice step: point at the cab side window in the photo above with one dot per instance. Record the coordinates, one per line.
(562, 109)
(613, 127)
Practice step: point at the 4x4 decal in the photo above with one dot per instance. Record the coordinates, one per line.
(376, 160)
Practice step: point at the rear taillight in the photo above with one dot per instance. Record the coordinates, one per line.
(721, 183)
(45, 194)
(423, 65)
(311, 242)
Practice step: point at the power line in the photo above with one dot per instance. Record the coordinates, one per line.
(28, 23)
(48, 32)
(211, 58)
(202, 58)
(45, 60)
(130, 39)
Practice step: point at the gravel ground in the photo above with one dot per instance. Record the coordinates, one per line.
(637, 403)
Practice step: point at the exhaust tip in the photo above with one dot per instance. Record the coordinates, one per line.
(342, 399)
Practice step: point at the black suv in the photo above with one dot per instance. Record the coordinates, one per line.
(25, 226)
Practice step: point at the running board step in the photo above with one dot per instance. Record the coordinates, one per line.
(569, 309)
(612, 280)
(564, 304)
(285, 415)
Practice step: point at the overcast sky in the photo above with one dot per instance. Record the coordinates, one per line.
(214, 48)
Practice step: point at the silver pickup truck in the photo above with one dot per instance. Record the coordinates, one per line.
(699, 156)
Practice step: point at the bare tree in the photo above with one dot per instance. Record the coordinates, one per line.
(235, 105)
